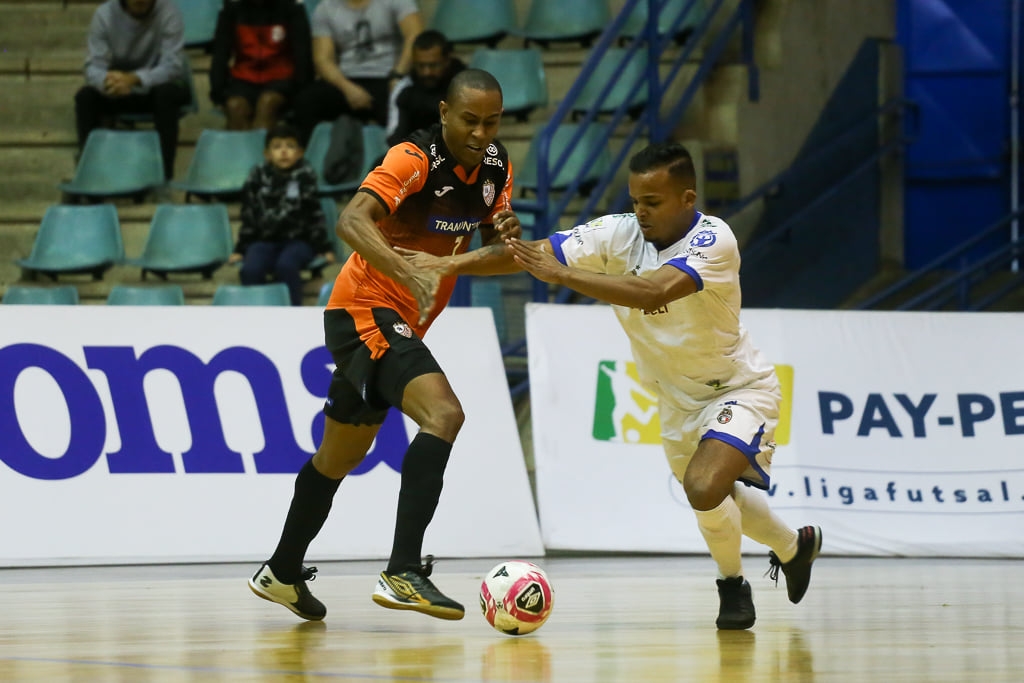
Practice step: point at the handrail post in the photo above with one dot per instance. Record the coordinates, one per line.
(653, 57)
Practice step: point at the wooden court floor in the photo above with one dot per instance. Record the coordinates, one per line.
(643, 619)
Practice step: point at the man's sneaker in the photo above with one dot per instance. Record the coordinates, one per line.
(411, 589)
(294, 596)
(735, 604)
(797, 570)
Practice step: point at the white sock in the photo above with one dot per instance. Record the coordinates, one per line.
(721, 528)
(762, 524)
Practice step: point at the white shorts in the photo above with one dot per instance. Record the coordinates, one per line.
(744, 419)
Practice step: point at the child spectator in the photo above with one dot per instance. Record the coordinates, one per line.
(282, 222)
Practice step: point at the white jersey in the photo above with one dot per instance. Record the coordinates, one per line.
(694, 349)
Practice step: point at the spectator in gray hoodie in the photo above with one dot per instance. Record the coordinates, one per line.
(136, 64)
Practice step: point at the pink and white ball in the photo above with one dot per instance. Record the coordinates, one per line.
(516, 597)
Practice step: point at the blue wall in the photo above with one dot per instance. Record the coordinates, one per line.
(957, 68)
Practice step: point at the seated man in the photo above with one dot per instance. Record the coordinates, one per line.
(415, 99)
(360, 49)
(267, 43)
(136, 64)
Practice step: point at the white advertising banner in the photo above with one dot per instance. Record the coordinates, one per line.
(900, 433)
(171, 434)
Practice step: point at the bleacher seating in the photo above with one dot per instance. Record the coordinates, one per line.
(117, 163)
(374, 147)
(142, 295)
(186, 238)
(521, 75)
(221, 163)
(470, 21)
(76, 239)
(272, 294)
(61, 295)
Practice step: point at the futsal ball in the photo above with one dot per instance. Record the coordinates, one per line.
(516, 597)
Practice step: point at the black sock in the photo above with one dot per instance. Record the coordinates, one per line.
(310, 506)
(422, 479)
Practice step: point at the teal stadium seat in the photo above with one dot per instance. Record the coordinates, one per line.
(486, 291)
(200, 19)
(471, 21)
(161, 295)
(565, 21)
(117, 163)
(695, 11)
(633, 68)
(521, 75)
(340, 249)
(221, 163)
(186, 238)
(273, 294)
(310, 6)
(76, 239)
(594, 137)
(375, 146)
(325, 293)
(63, 295)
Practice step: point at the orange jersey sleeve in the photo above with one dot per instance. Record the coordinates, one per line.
(403, 172)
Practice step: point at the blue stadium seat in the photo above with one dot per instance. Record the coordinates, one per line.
(186, 238)
(76, 239)
(468, 21)
(200, 19)
(375, 146)
(521, 75)
(310, 6)
(161, 295)
(64, 295)
(696, 10)
(633, 71)
(117, 163)
(273, 294)
(592, 138)
(552, 21)
(221, 162)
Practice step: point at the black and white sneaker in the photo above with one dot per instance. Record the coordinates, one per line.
(797, 570)
(736, 604)
(412, 590)
(294, 596)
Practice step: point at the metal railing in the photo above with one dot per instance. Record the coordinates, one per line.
(548, 209)
(958, 274)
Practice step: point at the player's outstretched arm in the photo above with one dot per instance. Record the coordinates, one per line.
(357, 226)
(648, 293)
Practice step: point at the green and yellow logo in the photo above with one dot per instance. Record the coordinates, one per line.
(626, 412)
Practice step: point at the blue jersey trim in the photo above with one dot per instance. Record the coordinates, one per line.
(682, 265)
(556, 246)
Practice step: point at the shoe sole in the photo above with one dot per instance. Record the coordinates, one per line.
(430, 610)
(735, 626)
(269, 598)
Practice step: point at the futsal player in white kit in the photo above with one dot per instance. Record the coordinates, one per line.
(672, 277)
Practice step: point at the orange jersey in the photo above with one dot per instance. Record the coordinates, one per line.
(433, 206)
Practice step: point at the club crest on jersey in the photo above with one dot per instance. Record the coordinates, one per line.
(725, 417)
(406, 331)
(704, 238)
(488, 192)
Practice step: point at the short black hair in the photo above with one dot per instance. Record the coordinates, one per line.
(472, 79)
(283, 131)
(431, 38)
(670, 155)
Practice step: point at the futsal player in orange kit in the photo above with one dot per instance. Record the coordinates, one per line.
(429, 194)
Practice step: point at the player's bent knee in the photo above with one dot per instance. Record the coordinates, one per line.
(444, 420)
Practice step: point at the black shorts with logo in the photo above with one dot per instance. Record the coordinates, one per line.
(362, 389)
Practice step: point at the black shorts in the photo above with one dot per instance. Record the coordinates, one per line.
(362, 389)
(251, 91)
